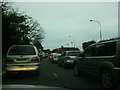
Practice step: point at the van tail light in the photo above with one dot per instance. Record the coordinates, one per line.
(8, 60)
(68, 57)
(35, 59)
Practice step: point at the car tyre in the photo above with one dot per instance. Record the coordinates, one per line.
(107, 79)
(8, 74)
(76, 71)
(37, 72)
(64, 65)
(58, 63)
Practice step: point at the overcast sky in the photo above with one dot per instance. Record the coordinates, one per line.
(63, 19)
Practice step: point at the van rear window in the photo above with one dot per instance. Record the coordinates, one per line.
(22, 50)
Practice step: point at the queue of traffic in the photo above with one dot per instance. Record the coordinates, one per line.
(101, 59)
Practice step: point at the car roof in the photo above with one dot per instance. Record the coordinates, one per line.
(22, 45)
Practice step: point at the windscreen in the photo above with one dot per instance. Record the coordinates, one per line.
(73, 54)
(22, 50)
(57, 54)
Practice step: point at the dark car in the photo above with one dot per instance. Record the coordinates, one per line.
(42, 54)
(67, 58)
(50, 56)
(54, 57)
(103, 60)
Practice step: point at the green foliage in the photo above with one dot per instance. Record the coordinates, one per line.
(18, 28)
(38, 45)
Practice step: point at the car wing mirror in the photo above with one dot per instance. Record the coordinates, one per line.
(81, 55)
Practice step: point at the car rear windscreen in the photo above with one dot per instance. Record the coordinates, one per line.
(22, 50)
(73, 54)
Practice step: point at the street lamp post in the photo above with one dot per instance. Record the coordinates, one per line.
(73, 40)
(100, 27)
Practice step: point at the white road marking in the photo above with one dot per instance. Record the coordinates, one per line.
(55, 74)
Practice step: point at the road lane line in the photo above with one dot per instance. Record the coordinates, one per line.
(55, 74)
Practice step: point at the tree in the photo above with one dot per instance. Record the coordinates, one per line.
(18, 28)
(38, 45)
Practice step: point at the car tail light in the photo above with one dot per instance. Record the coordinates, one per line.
(50, 56)
(8, 60)
(68, 57)
(35, 59)
(54, 57)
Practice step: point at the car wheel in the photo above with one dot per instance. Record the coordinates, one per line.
(76, 71)
(64, 65)
(37, 72)
(8, 74)
(107, 79)
(58, 63)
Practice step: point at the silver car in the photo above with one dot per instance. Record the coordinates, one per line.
(22, 58)
(54, 57)
(67, 58)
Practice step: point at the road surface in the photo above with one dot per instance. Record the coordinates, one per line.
(53, 75)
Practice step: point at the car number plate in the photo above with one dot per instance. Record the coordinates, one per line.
(21, 59)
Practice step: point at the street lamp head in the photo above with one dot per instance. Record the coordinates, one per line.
(91, 20)
(100, 27)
